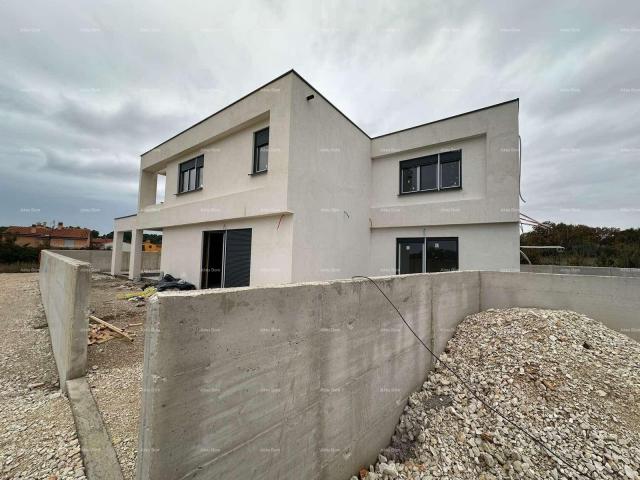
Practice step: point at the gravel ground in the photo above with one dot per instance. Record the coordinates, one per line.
(115, 367)
(37, 434)
(565, 378)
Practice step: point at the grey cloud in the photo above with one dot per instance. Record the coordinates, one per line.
(91, 162)
(86, 90)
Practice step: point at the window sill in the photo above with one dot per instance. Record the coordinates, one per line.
(188, 191)
(258, 173)
(401, 194)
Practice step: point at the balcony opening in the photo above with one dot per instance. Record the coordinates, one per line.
(161, 183)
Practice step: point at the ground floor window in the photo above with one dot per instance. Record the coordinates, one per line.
(426, 254)
(226, 258)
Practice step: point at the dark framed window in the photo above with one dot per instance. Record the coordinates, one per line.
(442, 254)
(426, 255)
(410, 255)
(450, 169)
(261, 150)
(190, 174)
(431, 173)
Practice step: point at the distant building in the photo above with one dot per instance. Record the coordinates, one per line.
(34, 236)
(41, 236)
(147, 246)
(100, 243)
(126, 246)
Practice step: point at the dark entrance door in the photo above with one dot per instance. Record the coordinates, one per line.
(226, 258)
(410, 256)
(212, 254)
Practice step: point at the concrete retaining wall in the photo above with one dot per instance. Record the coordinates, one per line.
(65, 284)
(308, 380)
(576, 270)
(100, 260)
(615, 301)
(297, 381)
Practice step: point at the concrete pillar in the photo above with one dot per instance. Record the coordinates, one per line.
(135, 257)
(116, 253)
(147, 189)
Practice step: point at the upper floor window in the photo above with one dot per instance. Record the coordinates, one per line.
(441, 171)
(261, 150)
(190, 174)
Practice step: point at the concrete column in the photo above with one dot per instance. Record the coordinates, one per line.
(135, 257)
(147, 189)
(116, 253)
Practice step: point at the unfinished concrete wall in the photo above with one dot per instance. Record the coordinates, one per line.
(65, 284)
(309, 380)
(100, 260)
(577, 270)
(615, 301)
(296, 381)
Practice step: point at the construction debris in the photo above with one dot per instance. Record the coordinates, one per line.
(99, 334)
(139, 295)
(562, 377)
(101, 337)
(168, 282)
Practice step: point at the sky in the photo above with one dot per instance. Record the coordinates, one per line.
(86, 87)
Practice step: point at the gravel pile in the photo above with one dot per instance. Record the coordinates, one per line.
(565, 378)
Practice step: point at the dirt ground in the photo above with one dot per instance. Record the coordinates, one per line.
(37, 434)
(115, 367)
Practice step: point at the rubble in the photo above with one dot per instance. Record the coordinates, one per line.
(564, 378)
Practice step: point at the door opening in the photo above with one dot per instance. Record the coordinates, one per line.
(226, 258)
(410, 257)
(212, 255)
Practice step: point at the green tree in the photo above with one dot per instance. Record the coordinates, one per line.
(584, 245)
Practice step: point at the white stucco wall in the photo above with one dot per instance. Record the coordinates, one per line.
(492, 246)
(226, 140)
(490, 171)
(336, 187)
(270, 249)
(227, 165)
(329, 181)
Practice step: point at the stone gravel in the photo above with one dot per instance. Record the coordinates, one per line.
(563, 377)
(115, 367)
(37, 434)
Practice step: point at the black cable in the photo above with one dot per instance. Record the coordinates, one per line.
(464, 383)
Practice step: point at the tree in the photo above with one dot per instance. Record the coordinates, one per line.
(12, 253)
(584, 245)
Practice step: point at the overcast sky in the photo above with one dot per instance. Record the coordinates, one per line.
(86, 87)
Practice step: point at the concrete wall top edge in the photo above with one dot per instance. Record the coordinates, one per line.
(568, 276)
(342, 281)
(72, 261)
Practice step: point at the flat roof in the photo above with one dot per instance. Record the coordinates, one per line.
(292, 71)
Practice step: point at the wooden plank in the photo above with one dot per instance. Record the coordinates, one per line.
(110, 327)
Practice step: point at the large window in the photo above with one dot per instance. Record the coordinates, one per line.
(190, 175)
(420, 255)
(431, 173)
(261, 151)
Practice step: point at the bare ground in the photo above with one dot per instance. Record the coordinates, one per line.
(37, 433)
(115, 367)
